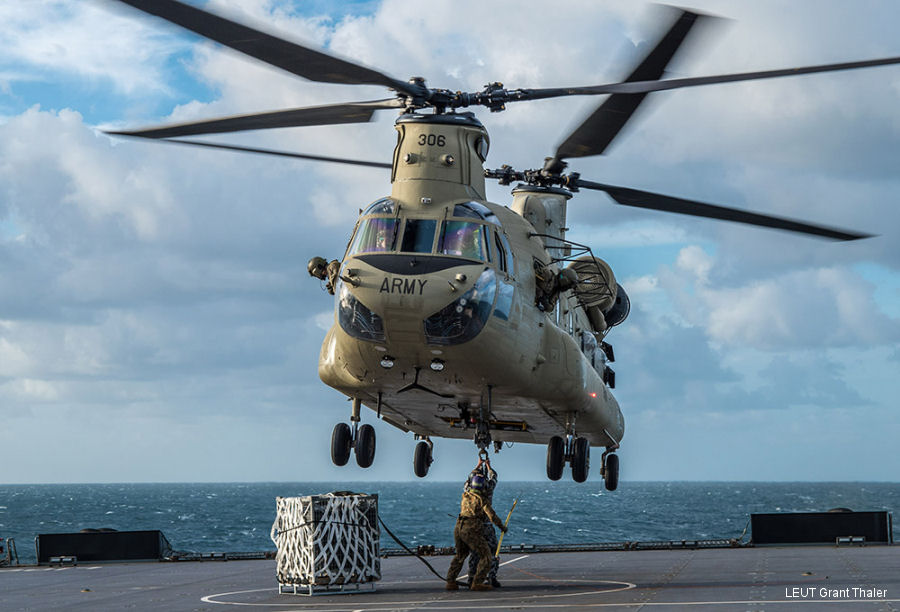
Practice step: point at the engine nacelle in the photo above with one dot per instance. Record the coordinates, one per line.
(603, 299)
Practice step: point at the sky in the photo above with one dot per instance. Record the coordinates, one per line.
(157, 322)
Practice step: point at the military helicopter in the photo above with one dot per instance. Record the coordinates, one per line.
(456, 317)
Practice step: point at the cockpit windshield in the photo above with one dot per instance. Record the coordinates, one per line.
(418, 237)
(466, 233)
(463, 238)
(375, 235)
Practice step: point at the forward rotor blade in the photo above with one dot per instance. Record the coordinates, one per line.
(289, 56)
(330, 114)
(656, 201)
(596, 133)
(639, 87)
(322, 158)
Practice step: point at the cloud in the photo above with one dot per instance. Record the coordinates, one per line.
(813, 307)
(86, 39)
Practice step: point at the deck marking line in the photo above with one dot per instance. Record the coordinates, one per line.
(413, 603)
(514, 560)
(464, 576)
(467, 604)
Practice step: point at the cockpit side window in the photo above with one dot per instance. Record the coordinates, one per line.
(375, 235)
(463, 238)
(418, 236)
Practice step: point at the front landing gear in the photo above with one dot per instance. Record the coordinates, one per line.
(341, 443)
(423, 457)
(365, 446)
(360, 438)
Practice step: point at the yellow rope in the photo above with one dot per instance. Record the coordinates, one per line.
(506, 524)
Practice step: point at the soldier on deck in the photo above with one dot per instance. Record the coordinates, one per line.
(484, 469)
(469, 535)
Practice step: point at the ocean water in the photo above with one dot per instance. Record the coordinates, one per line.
(221, 517)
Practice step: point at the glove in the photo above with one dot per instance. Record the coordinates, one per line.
(504, 528)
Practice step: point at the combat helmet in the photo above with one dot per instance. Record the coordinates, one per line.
(316, 267)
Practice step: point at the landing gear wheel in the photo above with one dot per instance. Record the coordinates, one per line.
(340, 444)
(555, 458)
(581, 460)
(611, 474)
(422, 459)
(365, 446)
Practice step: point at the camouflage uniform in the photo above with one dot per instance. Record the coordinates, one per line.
(326, 271)
(331, 274)
(487, 527)
(469, 537)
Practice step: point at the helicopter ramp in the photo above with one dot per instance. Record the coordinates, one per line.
(766, 578)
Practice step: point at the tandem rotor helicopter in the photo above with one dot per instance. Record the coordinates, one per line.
(456, 317)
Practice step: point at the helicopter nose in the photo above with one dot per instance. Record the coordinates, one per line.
(445, 301)
(405, 326)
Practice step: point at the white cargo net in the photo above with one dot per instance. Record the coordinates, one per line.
(329, 539)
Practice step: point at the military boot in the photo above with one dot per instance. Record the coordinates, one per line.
(495, 583)
(452, 586)
(482, 587)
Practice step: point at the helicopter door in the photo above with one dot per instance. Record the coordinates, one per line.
(505, 285)
(505, 260)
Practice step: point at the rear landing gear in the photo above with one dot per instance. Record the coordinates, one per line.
(556, 459)
(359, 438)
(423, 458)
(610, 471)
(581, 459)
(574, 450)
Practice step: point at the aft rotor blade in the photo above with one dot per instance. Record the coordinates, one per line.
(292, 57)
(649, 86)
(331, 114)
(322, 158)
(656, 201)
(596, 133)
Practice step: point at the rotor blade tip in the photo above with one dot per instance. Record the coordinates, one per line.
(860, 237)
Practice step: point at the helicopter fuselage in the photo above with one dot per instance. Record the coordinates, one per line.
(436, 314)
